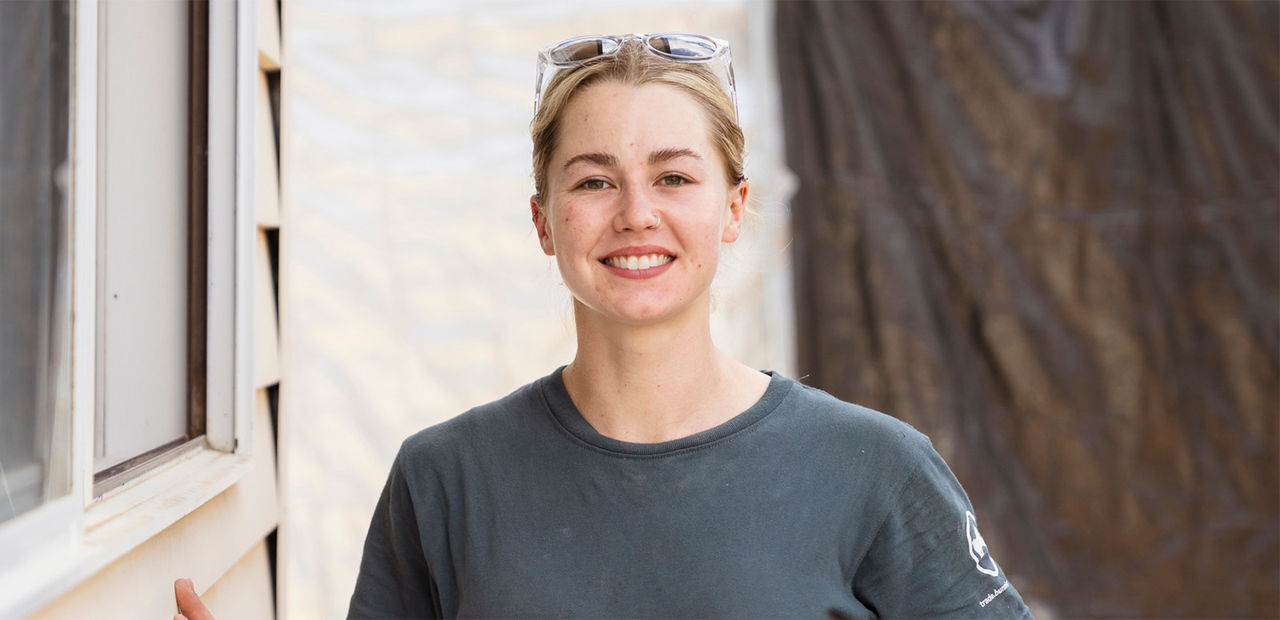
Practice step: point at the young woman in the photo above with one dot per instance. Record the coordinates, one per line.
(654, 475)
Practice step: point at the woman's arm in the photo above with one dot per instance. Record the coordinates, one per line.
(394, 580)
(929, 559)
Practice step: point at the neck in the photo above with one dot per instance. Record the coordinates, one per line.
(654, 383)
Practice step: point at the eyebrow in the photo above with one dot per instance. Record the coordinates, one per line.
(606, 160)
(658, 157)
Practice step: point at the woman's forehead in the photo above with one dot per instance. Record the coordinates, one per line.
(649, 122)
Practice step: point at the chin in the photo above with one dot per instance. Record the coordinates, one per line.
(642, 316)
(636, 319)
(634, 307)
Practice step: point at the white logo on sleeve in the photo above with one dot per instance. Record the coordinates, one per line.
(978, 546)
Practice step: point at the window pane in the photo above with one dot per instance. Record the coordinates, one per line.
(142, 249)
(34, 274)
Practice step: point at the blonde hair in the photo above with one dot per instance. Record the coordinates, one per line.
(633, 66)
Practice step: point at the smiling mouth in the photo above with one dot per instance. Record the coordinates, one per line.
(637, 263)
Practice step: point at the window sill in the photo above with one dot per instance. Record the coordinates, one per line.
(117, 523)
(130, 514)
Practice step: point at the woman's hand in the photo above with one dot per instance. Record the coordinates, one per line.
(189, 605)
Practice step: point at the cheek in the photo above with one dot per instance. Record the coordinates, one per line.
(711, 234)
(571, 232)
(568, 228)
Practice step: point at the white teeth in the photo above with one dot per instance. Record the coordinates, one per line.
(636, 263)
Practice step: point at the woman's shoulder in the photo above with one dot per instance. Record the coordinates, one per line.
(850, 425)
(481, 428)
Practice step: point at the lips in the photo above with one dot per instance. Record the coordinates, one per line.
(639, 261)
(643, 261)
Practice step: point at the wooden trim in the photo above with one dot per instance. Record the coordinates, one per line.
(198, 220)
(131, 534)
(130, 537)
(84, 246)
(244, 227)
(131, 469)
(222, 352)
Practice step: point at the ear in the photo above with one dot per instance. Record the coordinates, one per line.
(737, 208)
(543, 228)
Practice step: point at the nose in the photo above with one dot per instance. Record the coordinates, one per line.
(637, 211)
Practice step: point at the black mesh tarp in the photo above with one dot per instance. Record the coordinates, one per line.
(1046, 234)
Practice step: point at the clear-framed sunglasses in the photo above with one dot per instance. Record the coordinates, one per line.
(677, 46)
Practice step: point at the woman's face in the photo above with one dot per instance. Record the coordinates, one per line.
(637, 204)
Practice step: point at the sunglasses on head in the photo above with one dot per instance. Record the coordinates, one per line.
(676, 46)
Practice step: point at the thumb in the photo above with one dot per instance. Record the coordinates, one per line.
(189, 605)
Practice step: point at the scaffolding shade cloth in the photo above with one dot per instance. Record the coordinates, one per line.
(1046, 234)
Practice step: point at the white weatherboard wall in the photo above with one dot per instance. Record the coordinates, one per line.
(413, 283)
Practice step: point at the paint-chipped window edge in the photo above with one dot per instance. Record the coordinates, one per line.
(64, 543)
(116, 525)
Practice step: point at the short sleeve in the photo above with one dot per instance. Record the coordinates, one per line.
(394, 579)
(928, 558)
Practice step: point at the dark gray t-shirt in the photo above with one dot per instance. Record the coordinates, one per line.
(801, 506)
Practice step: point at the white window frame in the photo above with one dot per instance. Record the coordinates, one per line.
(51, 549)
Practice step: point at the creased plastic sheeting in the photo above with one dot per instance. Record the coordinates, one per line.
(1046, 234)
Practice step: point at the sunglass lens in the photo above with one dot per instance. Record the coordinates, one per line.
(578, 51)
(691, 47)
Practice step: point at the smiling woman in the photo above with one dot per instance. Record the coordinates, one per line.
(654, 475)
(651, 193)
(639, 178)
